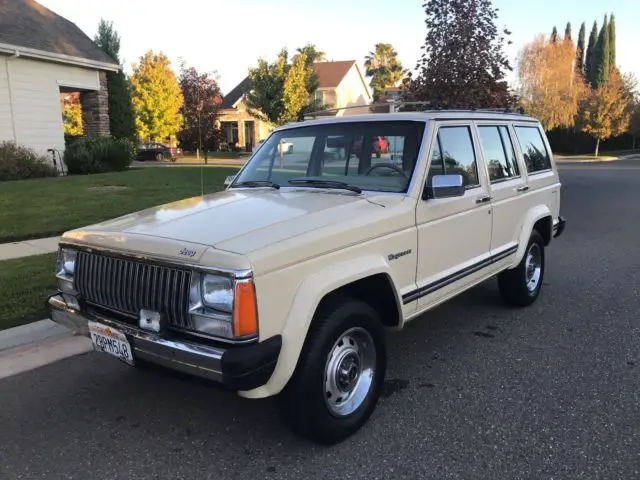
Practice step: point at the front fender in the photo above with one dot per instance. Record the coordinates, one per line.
(306, 301)
(526, 227)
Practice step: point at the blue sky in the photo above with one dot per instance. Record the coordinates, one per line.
(229, 36)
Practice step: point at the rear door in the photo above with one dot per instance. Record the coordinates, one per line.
(508, 185)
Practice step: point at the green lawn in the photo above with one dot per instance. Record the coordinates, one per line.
(25, 284)
(50, 206)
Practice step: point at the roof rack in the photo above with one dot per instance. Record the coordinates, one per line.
(393, 107)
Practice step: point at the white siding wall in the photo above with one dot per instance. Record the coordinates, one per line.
(35, 87)
(352, 92)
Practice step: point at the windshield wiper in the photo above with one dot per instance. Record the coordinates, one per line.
(325, 184)
(257, 183)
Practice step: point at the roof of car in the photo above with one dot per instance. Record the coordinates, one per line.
(418, 116)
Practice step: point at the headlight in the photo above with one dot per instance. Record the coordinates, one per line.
(67, 262)
(217, 293)
(223, 307)
(65, 269)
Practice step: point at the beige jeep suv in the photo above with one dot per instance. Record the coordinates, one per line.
(284, 283)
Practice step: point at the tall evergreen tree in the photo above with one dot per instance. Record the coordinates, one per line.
(554, 35)
(121, 116)
(567, 31)
(590, 64)
(602, 54)
(612, 42)
(580, 48)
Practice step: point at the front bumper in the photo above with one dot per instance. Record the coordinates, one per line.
(558, 226)
(242, 367)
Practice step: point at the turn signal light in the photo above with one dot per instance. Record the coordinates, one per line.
(245, 315)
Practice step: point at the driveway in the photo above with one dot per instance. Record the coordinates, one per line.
(474, 390)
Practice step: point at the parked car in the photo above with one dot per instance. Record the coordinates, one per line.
(156, 151)
(284, 283)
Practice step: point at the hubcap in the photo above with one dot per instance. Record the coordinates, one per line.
(533, 267)
(349, 372)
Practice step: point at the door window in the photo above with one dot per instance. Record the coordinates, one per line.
(454, 153)
(533, 149)
(498, 153)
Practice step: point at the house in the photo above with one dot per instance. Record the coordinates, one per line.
(340, 84)
(43, 55)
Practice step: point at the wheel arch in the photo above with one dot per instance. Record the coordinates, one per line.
(539, 218)
(353, 277)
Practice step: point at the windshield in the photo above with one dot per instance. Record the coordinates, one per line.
(378, 156)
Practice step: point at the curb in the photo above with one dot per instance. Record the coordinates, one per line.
(31, 333)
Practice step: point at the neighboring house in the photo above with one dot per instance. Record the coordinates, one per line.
(340, 84)
(41, 56)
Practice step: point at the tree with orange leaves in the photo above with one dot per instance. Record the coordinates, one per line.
(605, 113)
(551, 85)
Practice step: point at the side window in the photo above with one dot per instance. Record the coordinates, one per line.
(497, 150)
(533, 149)
(458, 155)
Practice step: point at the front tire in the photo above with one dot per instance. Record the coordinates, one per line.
(337, 383)
(520, 286)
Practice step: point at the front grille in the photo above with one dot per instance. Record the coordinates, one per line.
(127, 286)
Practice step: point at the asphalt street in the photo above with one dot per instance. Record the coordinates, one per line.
(475, 390)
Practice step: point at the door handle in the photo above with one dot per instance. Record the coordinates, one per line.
(524, 188)
(484, 199)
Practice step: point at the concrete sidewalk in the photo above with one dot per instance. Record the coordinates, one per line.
(27, 248)
(37, 344)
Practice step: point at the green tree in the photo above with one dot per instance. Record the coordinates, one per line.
(463, 63)
(384, 68)
(612, 42)
(121, 116)
(157, 98)
(590, 61)
(311, 52)
(282, 91)
(554, 35)
(567, 32)
(603, 53)
(580, 48)
(312, 55)
(295, 94)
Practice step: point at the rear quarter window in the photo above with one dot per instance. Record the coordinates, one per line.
(534, 151)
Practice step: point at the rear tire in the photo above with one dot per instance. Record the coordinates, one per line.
(159, 157)
(337, 383)
(520, 286)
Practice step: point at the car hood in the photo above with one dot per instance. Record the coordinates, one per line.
(238, 221)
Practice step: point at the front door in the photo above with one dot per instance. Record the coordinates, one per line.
(454, 234)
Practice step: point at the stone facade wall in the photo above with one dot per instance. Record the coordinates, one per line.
(95, 109)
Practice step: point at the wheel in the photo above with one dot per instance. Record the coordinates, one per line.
(337, 382)
(159, 157)
(521, 285)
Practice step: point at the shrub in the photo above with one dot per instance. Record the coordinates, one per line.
(18, 162)
(98, 155)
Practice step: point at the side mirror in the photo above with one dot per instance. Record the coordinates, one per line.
(228, 180)
(445, 186)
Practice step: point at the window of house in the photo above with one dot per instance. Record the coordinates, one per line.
(454, 153)
(533, 149)
(498, 153)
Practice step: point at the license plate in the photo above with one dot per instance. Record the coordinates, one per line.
(108, 340)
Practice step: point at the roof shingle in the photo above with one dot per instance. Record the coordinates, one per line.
(26, 23)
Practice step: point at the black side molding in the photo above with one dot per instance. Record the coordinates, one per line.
(454, 277)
